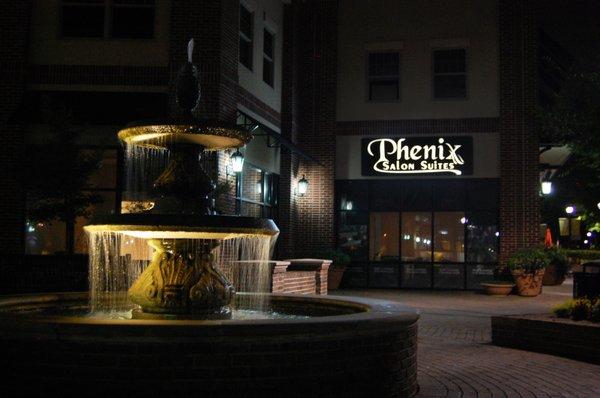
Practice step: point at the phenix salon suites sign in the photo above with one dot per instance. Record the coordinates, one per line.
(417, 155)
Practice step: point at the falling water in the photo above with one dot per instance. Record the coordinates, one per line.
(117, 260)
(143, 166)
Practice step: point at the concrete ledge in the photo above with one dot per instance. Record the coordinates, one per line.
(543, 333)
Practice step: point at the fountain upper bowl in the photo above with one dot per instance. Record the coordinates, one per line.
(182, 226)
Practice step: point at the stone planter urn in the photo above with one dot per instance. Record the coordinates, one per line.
(497, 289)
(529, 284)
(552, 277)
(335, 277)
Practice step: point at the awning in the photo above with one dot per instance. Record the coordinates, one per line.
(258, 129)
(552, 158)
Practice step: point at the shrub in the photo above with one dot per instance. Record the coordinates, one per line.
(595, 311)
(582, 255)
(558, 258)
(581, 309)
(528, 260)
(563, 310)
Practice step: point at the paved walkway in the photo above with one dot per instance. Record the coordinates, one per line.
(456, 358)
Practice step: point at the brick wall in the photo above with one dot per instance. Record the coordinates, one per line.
(313, 115)
(14, 36)
(519, 169)
(566, 338)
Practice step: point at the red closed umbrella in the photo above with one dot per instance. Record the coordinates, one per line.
(548, 239)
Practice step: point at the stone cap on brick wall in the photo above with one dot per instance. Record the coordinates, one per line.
(308, 264)
(276, 265)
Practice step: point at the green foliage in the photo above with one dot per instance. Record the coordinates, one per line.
(574, 120)
(563, 310)
(339, 258)
(56, 173)
(558, 258)
(581, 309)
(595, 311)
(582, 254)
(528, 260)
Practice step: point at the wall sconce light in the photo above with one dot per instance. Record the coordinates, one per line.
(237, 161)
(546, 187)
(349, 205)
(302, 186)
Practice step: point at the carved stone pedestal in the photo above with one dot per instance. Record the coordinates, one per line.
(181, 280)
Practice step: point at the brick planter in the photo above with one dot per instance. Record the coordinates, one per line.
(320, 268)
(368, 349)
(542, 333)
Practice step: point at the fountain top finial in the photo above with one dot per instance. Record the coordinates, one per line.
(211, 134)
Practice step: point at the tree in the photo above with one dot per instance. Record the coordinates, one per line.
(574, 120)
(56, 174)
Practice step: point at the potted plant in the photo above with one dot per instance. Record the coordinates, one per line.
(527, 268)
(556, 271)
(502, 285)
(339, 260)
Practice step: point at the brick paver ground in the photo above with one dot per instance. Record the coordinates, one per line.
(456, 358)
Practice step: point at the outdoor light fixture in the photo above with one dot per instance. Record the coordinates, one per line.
(589, 234)
(349, 205)
(237, 161)
(302, 186)
(598, 204)
(546, 187)
(570, 209)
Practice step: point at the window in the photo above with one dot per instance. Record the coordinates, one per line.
(256, 192)
(122, 19)
(383, 236)
(449, 233)
(384, 76)
(268, 57)
(416, 236)
(246, 36)
(450, 74)
(83, 18)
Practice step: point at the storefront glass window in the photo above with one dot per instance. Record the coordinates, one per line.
(416, 236)
(384, 236)
(354, 196)
(482, 237)
(449, 237)
(352, 236)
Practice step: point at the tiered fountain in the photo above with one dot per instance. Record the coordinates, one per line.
(162, 318)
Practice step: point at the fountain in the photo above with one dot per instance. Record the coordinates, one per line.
(162, 316)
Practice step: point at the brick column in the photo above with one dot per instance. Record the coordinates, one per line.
(519, 146)
(316, 109)
(320, 268)
(14, 43)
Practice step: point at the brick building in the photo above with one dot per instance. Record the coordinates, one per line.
(323, 84)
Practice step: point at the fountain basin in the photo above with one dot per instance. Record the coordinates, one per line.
(330, 347)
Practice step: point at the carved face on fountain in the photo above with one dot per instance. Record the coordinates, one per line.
(181, 277)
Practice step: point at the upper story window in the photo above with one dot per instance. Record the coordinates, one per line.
(450, 74)
(384, 76)
(246, 36)
(120, 19)
(268, 57)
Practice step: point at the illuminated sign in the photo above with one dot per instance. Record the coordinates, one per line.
(391, 156)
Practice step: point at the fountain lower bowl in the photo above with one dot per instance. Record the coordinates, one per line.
(330, 346)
